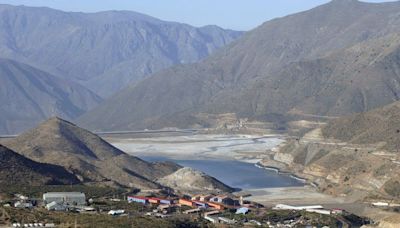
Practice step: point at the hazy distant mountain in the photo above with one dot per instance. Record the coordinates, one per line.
(103, 50)
(29, 96)
(336, 59)
(16, 170)
(86, 155)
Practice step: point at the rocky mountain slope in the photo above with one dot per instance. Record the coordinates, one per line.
(379, 126)
(86, 155)
(104, 50)
(29, 96)
(188, 180)
(336, 59)
(17, 170)
(352, 171)
(353, 155)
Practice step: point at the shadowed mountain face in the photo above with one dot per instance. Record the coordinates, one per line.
(336, 59)
(105, 50)
(29, 96)
(18, 170)
(83, 153)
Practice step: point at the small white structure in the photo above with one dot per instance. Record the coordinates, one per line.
(226, 220)
(319, 211)
(191, 211)
(54, 206)
(211, 219)
(255, 222)
(337, 211)
(88, 209)
(296, 208)
(380, 204)
(68, 198)
(23, 205)
(116, 212)
(21, 197)
(212, 213)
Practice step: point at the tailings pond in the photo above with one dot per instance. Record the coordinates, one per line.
(229, 158)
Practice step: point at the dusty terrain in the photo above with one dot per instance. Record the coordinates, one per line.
(191, 181)
(291, 195)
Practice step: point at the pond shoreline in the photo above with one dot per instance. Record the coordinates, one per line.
(278, 171)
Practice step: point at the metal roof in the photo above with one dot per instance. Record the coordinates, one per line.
(62, 194)
(242, 210)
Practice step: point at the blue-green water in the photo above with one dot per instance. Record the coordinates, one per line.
(235, 173)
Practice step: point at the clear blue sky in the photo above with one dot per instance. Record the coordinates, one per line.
(234, 14)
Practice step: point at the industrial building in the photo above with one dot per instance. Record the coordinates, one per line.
(192, 211)
(242, 210)
(296, 208)
(54, 206)
(138, 199)
(226, 220)
(154, 200)
(66, 198)
(23, 205)
(216, 206)
(116, 212)
(203, 198)
(166, 201)
(200, 204)
(186, 202)
(224, 200)
(146, 200)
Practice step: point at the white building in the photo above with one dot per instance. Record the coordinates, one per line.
(23, 205)
(296, 208)
(54, 206)
(211, 219)
(68, 198)
(380, 204)
(320, 211)
(116, 212)
(226, 220)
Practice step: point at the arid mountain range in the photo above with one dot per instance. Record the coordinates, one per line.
(336, 59)
(104, 50)
(29, 95)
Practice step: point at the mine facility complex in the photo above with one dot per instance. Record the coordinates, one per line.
(214, 209)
